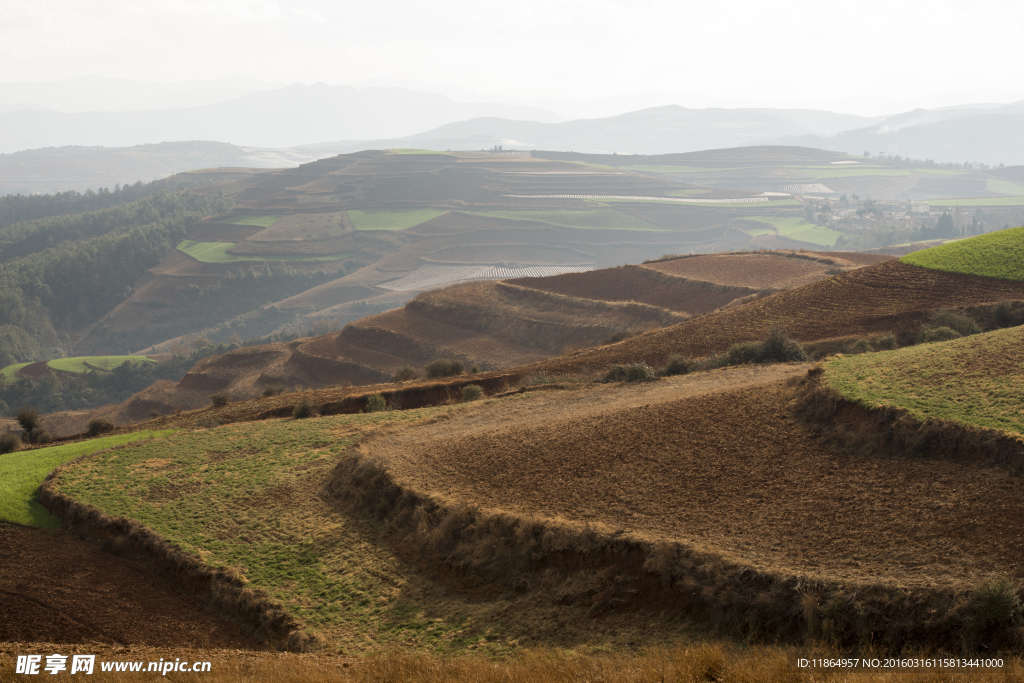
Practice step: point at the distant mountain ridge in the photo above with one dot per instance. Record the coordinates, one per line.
(286, 117)
(990, 135)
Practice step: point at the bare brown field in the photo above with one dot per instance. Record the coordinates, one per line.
(772, 270)
(716, 460)
(300, 226)
(642, 285)
(57, 588)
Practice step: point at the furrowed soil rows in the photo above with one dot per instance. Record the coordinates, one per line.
(59, 589)
(761, 271)
(715, 459)
(635, 283)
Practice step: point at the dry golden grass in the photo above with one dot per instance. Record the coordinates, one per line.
(696, 663)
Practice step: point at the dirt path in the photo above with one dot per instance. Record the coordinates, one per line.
(57, 588)
(716, 460)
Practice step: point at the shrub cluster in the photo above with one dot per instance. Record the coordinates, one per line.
(8, 443)
(28, 419)
(472, 392)
(947, 324)
(404, 374)
(302, 410)
(221, 399)
(98, 426)
(376, 404)
(443, 367)
(776, 348)
(632, 372)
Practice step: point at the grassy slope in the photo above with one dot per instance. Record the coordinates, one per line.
(22, 472)
(997, 254)
(977, 380)
(265, 221)
(246, 496)
(601, 220)
(217, 252)
(78, 363)
(10, 371)
(1004, 187)
(391, 219)
(796, 228)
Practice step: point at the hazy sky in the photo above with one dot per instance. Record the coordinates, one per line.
(849, 56)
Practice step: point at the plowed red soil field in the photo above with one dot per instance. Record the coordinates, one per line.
(760, 271)
(57, 588)
(635, 283)
(888, 297)
(715, 459)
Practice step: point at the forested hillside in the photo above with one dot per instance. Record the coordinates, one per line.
(61, 273)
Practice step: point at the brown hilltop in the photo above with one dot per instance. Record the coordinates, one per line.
(886, 297)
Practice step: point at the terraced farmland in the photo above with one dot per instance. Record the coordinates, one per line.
(715, 460)
(391, 219)
(887, 297)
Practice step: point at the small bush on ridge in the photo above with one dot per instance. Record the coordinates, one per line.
(677, 365)
(472, 392)
(860, 346)
(776, 348)
(887, 342)
(937, 334)
(302, 410)
(221, 399)
(996, 602)
(633, 372)
(28, 418)
(964, 324)
(404, 374)
(376, 404)
(98, 426)
(443, 367)
(8, 443)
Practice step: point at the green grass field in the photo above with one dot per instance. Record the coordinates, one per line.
(264, 221)
(246, 496)
(977, 380)
(10, 371)
(1004, 187)
(797, 228)
(22, 472)
(217, 252)
(78, 364)
(979, 201)
(391, 219)
(996, 254)
(593, 220)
